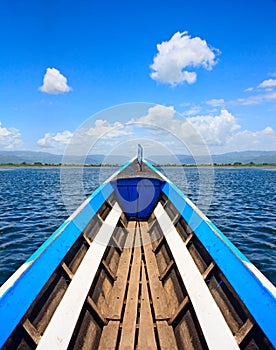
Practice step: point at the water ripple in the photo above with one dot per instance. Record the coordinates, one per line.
(242, 206)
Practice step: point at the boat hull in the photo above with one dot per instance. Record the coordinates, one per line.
(137, 266)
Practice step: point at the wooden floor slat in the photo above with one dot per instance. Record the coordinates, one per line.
(117, 293)
(166, 336)
(129, 322)
(159, 298)
(146, 338)
(109, 336)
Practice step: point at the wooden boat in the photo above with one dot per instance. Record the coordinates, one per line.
(137, 266)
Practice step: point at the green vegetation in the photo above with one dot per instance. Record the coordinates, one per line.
(221, 165)
(54, 165)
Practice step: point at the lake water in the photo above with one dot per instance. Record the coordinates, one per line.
(242, 205)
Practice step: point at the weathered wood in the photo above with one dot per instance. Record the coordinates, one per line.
(107, 269)
(176, 219)
(179, 310)
(159, 245)
(66, 269)
(87, 240)
(96, 311)
(208, 270)
(167, 270)
(146, 337)
(189, 238)
(117, 293)
(32, 331)
(244, 330)
(117, 245)
(159, 298)
(129, 322)
(109, 336)
(166, 336)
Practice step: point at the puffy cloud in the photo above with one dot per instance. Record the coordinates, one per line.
(177, 58)
(102, 132)
(269, 83)
(254, 140)
(54, 82)
(10, 138)
(56, 142)
(162, 126)
(220, 133)
(215, 130)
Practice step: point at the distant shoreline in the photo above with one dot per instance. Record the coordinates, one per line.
(55, 166)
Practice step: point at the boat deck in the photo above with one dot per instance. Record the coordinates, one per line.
(121, 286)
(133, 171)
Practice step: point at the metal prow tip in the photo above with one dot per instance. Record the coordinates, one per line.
(140, 156)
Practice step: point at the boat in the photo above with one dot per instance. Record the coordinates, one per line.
(137, 266)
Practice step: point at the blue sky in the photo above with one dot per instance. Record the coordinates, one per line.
(64, 61)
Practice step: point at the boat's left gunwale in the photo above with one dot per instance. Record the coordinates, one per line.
(16, 296)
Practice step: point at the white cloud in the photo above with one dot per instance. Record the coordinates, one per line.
(249, 89)
(177, 58)
(222, 133)
(254, 140)
(10, 138)
(194, 109)
(215, 130)
(256, 99)
(55, 142)
(101, 133)
(219, 132)
(216, 102)
(54, 82)
(269, 83)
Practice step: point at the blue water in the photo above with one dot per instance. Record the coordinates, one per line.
(242, 205)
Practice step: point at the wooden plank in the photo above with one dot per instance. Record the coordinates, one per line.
(159, 299)
(208, 270)
(129, 322)
(146, 338)
(189, 238)
(109, 336)
(96, 311)
(167, 270)
(244, 330)
(117, 245)
(159, 245)
(117, 293)
(179, 310)
(66, 269)
(166, 336)
(214, 327)
(110, 273)
(87, 240)
(60, 329)
(32, 331)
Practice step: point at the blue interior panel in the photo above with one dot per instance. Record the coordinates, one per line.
(137, 196)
